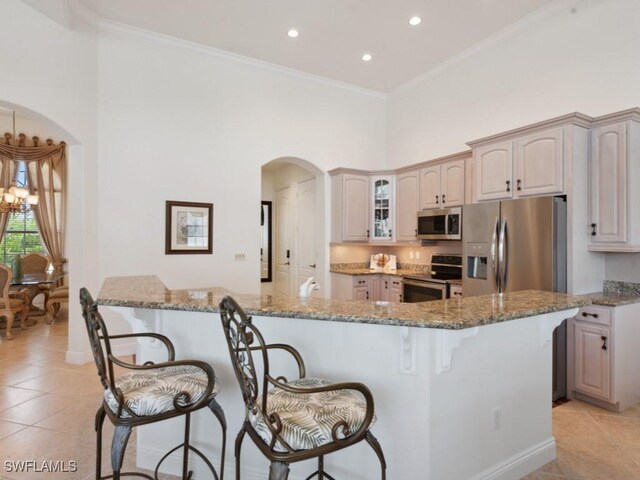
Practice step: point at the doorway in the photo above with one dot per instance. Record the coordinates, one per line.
(296, 190)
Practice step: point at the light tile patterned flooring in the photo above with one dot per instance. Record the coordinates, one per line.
(47, 408)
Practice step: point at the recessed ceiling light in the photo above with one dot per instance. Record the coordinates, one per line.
(367, 57)
(414, 21)
(293, 33)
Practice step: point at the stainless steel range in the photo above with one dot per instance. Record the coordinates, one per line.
(433, 285)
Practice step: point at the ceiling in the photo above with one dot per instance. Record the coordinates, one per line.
(334, 34)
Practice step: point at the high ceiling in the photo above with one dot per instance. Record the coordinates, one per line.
(333, 34)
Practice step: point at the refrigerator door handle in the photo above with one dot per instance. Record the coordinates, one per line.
(494, 255)
(503, 255)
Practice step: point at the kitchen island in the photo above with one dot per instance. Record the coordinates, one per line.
(462, 386)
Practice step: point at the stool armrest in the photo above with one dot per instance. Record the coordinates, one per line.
(170, 349)
(288, 348)
(208, 370)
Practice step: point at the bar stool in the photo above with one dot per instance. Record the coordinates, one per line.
(151, 393)
(294, 420)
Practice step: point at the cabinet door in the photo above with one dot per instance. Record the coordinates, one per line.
(608, 170)
(592, 360)
(407, 205)
(355, 207)
(361, 293)
(539, 163)
(452, 183)
(382, 208)
(493, 168)
(376, 287)
(385, 283)
(395, 290)
(430, 187)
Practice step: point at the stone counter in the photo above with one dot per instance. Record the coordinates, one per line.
(452, 314)
(611, 299)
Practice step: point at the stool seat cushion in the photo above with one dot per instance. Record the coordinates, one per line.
(308, 419)
(62, 292)
(13, 303)
(151, 392)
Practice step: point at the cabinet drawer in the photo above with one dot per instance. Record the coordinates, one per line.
(595, 314)
(361, 281)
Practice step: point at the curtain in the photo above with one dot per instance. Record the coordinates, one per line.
(47, 178)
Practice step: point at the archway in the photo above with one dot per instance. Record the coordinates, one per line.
(296, 189)
(31, 121)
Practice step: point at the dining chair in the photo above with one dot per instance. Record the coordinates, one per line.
(12, 303)
(293, 420)
(57, 297)
(36, 263)
(150, 393)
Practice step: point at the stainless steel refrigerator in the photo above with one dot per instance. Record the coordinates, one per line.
(518, 245)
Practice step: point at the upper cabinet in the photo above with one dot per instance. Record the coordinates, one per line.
(382, 208)
(614, 216)
(442, 184)
(525, 166)
(407, 205)
(350, 201)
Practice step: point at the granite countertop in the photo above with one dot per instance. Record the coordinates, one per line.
(452, 314)
(612, 299)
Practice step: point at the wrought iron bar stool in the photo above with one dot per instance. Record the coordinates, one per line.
(295, 420)
(151, 393)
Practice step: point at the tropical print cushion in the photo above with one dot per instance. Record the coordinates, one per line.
(151, 392)
(307, 419)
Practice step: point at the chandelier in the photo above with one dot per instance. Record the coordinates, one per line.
(16, 199)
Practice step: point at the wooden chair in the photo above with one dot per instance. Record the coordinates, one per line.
(57, 297)
(36, 263)
(298, 419)
(151, 393)
(11, 303)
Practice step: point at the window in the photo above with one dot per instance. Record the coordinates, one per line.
(22, 234)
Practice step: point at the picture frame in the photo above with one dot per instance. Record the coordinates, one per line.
(189, 228)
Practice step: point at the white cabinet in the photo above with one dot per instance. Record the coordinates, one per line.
(382, 208)
(525, 166)
(375, 287)
(603, 355)
(493, 169)
(350, 201)
(442, 185)
(592, 357)
(407, 205)
(456, 291)
(539, 163)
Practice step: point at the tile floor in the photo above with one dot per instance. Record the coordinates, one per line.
(47, 409)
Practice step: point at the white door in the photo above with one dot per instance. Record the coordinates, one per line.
(284, 241)
(407, 205)
(539, 163)
(452, 183)
(430, 187)
(306, 259)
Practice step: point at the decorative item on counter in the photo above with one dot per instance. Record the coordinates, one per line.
(307, 287)
(382, 261)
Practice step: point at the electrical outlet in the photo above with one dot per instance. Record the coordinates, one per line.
(497, 418)
(411, 254)
(240, 257)
(418, 255)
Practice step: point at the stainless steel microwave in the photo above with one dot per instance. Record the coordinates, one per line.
(440, 224)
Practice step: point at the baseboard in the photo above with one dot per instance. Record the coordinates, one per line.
(521, 464)
(149, 457)
(119, 350)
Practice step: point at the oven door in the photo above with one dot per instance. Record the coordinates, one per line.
(418, 291)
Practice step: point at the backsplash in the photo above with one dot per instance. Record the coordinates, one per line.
(406, 255)
(623, 267)
(626, 288)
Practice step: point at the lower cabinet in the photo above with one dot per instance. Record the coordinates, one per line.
(456, 291)
(387, 288)
(603, 355)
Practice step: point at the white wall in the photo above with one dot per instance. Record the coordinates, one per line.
(183, 125)
(587, 62)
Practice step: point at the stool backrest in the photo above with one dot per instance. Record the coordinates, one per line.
(97, 335)
(242, 339)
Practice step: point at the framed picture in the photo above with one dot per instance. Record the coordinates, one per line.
(189, 227)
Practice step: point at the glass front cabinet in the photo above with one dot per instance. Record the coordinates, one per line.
(382, 208)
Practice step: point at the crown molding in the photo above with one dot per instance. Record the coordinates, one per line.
(511, 30)
(575, 118)
(464, 155)
(622, 116)
(111, 27)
